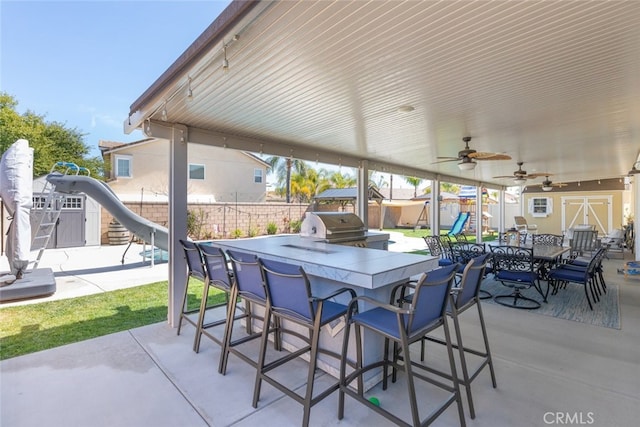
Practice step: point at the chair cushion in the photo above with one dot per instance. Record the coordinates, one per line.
(517, 276)
(443, 262)
(567, 274)
(382, 320)
(332, 310)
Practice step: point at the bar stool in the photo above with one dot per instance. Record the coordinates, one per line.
(196, 269)
(289, 298)
(403, 326)
(463, 298)
(218, 277)
(249, 288)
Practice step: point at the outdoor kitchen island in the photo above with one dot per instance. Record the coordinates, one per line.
(370, 272)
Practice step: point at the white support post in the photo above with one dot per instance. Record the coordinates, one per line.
(177, 220)
(363, 192)
(479, 217)
(435, 207)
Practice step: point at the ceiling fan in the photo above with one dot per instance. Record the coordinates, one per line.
(467, 158)
(520, 176)
(547, 185)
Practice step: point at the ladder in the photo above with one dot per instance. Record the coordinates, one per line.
(47, 212)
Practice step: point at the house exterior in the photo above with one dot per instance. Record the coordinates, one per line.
(139, 172)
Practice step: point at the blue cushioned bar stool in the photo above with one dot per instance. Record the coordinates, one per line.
(218, 277)
(403, 326)
(463, 297)
(249, 288)
(289, 299)
(196, 268)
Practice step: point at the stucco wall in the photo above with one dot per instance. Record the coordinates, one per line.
(229, 174)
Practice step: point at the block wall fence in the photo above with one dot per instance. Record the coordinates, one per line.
(221, 220)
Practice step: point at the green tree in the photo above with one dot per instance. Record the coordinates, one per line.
(415, 182)
(338, 180)
(51, 141)
(282, 167)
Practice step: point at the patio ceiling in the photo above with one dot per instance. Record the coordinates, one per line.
(555, 84)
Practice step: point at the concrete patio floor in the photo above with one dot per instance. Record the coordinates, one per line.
(549, 371)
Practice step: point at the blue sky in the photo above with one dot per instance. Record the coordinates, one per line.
(83, 63)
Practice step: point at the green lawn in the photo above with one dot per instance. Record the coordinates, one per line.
(34, 327)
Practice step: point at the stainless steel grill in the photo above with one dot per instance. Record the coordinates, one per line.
(334, 227)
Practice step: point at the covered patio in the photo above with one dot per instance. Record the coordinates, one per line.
(548, 369)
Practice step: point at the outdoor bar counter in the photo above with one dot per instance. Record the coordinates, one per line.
(370, 272)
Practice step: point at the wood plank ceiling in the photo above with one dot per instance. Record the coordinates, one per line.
(554, 84)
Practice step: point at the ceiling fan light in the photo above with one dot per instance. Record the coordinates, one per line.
(633, 170)
(519, 181)
(466, 166)
(547, 188)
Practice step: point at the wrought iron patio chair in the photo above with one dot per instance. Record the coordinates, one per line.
(515, 267)
(402, 326)
(586, 276)
(289, 298)
(436, 249)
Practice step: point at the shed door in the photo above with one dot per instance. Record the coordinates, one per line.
(70, 230)
(592, 210)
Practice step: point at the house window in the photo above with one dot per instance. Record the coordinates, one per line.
(196, 171)
(540, 206)
(123, 166)
(257, 176)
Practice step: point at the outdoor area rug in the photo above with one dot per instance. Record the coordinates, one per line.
(569, 303)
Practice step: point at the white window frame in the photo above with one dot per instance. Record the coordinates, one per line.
(540, 206)
(204, 171)
(129, 159)
(258, 173)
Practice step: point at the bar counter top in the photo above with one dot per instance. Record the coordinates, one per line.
(361, 267)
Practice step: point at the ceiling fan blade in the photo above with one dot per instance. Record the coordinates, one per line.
(446, 159)
(505, 176)
(489, 156)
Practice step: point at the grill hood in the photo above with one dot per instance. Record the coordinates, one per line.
(333, 226)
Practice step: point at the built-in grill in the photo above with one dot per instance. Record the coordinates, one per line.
(334, 227)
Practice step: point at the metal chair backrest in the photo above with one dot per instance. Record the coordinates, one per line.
(288, 289)
(445, 244)
(194, 259)
(248, 274)
(512, 258)
(435, 248)
(472, 277)
(547, 239)
(463, 252)
(216, 266)
(583, 241)
(430, 298)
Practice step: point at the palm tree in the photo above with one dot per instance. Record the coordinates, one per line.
(282, 167)
(415, 182)
(338, 180)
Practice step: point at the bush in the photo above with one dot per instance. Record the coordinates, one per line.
(237, 233)
(272, 228)
(295, 225)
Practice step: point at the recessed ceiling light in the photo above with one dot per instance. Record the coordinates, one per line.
(405, 109)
